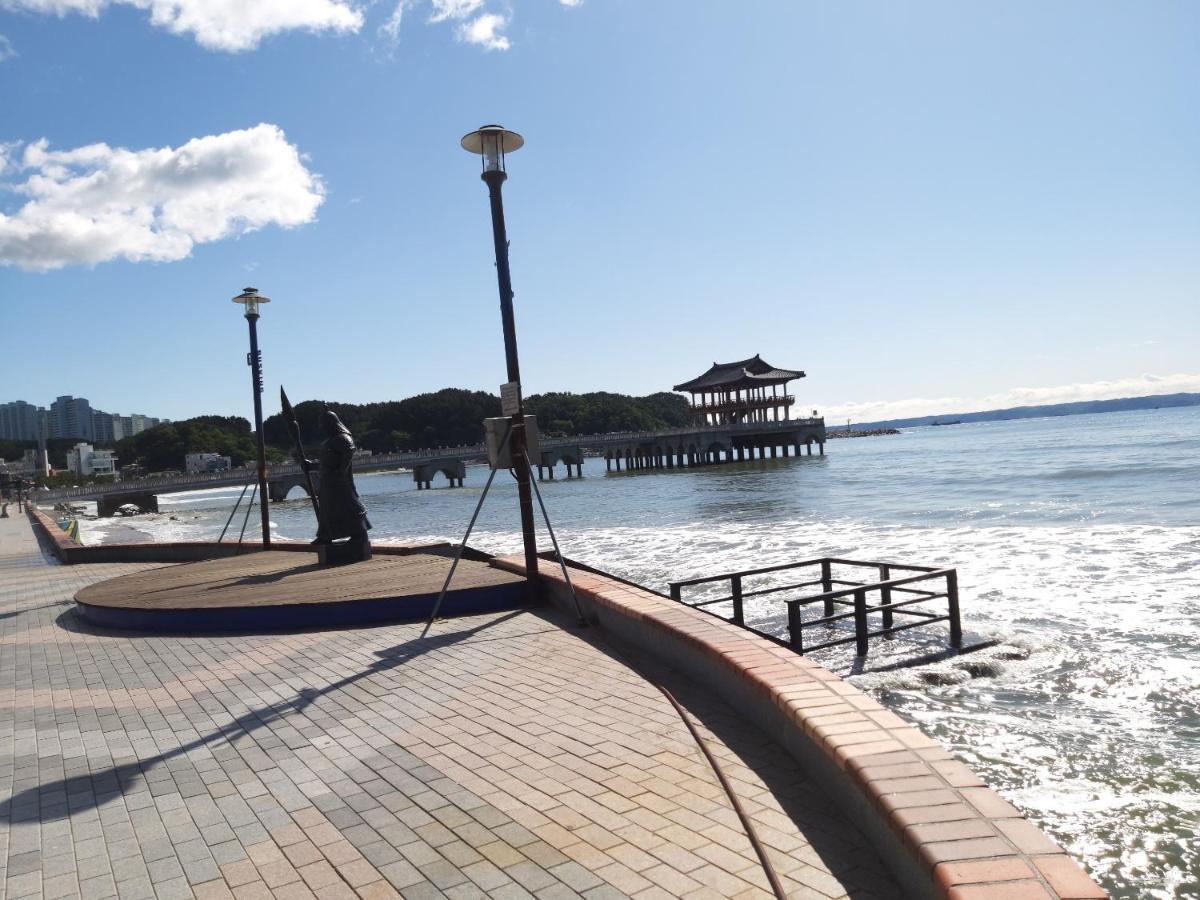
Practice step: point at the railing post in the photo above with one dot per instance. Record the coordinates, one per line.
(827, 585)
(885, 595)
(675, 594)
(738, 617)
(952, 598)
(795, 627)
(860, 622)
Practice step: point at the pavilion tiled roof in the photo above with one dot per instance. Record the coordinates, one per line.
(752, 372)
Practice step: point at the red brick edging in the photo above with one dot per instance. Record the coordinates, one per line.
(941, 830)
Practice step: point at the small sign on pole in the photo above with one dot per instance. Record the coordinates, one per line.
(510, 398)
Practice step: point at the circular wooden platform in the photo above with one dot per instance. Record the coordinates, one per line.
(279, 590)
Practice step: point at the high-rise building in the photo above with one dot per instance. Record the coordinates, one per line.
(71, 417)
(102, 426)
(19, 421)
(140, 423)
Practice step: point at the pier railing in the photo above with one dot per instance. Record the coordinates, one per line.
(896, 598)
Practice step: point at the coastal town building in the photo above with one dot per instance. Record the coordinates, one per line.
(749, 390)
(206, 462)
(84, 459)
(27, 466)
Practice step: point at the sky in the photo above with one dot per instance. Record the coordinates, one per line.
(926, 206)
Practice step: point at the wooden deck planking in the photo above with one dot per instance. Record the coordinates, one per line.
(277, 578)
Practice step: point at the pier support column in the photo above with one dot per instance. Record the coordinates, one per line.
(808, 447)
(772, 451)
(822, 445)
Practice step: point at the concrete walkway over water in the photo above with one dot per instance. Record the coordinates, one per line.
(511, 755)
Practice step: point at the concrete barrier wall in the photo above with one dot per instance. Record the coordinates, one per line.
(940, 829)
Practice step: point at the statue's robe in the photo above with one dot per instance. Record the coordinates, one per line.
(342, 513)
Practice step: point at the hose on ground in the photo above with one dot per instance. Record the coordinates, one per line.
(747, 824)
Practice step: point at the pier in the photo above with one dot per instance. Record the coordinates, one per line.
(700, 445)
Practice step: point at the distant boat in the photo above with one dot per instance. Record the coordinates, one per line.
(955, 422)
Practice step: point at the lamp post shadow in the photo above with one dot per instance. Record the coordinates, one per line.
(61, 799)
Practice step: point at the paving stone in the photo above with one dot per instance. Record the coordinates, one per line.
(512, 758)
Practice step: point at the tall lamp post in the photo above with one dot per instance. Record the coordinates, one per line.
(251, 298)
(493, 142)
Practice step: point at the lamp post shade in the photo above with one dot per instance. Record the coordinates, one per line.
(492, 142)
(250, 298)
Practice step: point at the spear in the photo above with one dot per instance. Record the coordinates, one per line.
(289, 416)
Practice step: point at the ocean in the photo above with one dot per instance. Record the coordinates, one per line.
(1077, 542)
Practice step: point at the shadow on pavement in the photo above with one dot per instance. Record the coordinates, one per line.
(60, 799)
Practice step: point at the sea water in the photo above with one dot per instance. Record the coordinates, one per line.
(1077, 543)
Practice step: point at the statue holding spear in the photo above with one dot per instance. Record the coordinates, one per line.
(340, 512)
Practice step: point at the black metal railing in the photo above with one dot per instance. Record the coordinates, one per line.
(896, 597)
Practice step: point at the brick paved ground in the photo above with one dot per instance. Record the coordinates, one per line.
(509, 756)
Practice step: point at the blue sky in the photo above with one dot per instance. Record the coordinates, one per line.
(926, 206)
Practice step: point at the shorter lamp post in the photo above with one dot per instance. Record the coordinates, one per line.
(492, 142)
(251, 298)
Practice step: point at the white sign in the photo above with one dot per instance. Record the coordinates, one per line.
(510, 398)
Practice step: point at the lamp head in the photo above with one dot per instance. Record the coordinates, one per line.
(250, 298)
(492, 142)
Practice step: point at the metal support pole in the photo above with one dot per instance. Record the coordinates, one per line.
(955, 621)
(494, 179)
(827, 585)
(256, 381)
(738, 617)
(557, 552)
(860, 623)
(466, 537)
(885, 595)
(795, 628)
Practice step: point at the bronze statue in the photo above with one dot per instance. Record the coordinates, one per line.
(341, 513)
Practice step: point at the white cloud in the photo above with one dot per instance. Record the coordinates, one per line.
(453, 9)
(391, 28)
(99, 203)
(571, 2)
(1137, 386)
(485, 31)
(229, 25)
(6, 49)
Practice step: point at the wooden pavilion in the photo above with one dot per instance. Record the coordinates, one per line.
(740, 392)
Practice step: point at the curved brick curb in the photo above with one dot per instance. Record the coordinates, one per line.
(937, 826)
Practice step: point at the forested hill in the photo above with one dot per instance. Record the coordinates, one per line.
(452, 416)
